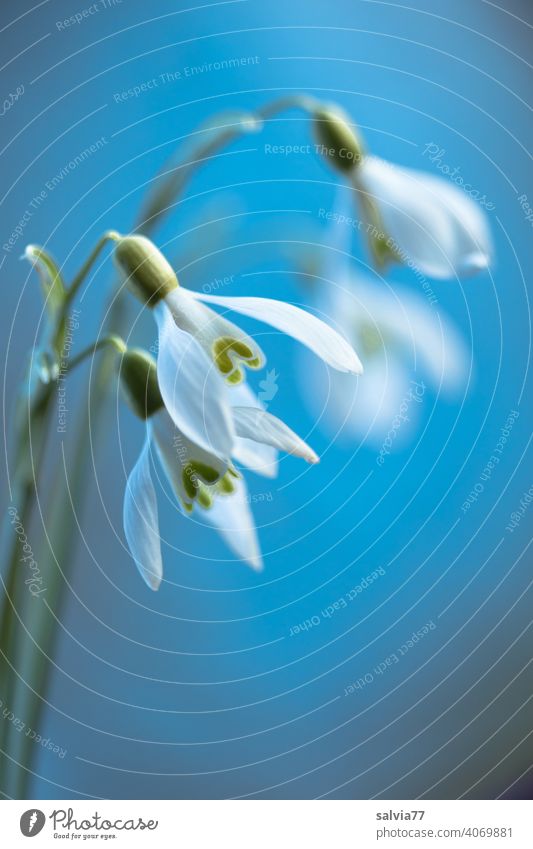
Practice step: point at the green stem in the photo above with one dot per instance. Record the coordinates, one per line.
(62, 532)
(32, 437)
(296, 101)
(32, 443)
(111, 340)
(174, 178)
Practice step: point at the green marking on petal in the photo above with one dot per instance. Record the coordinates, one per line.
(226, 485)
(205, 498)
(229, 353)
(203, 471)
(370, 339)
(223, 360)
(197, 477)
(235, 377)
(189, 481)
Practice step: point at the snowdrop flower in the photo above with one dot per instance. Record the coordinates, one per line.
(407, 347)
(199, 478)
(198, 347)
(409, 216)
(201, 417)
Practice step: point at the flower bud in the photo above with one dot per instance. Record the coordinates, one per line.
(336, 140)
(138, 376)
(147, 272)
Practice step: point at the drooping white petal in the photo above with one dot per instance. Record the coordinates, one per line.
(256, 456)
(261, 426)
(432, 224)
(306, 328)
(192, 389)
(211, 329)
(176, 453)
(141, 521)
(233, 519)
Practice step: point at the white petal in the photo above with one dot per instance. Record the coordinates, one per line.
(175, 452)
(192, 389)
(141, 522)
(434, 224)
(325, 342)
(232, 517)
(261, 426)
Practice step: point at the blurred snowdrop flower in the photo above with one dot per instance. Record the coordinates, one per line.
(198, 478)
(425, 220)
(411, 217)
(407, 347)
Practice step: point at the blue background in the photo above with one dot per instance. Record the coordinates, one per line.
(199, 691)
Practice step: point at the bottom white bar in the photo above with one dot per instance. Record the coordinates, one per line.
(268, 824)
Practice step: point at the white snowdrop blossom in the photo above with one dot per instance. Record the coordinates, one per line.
(200, 479)
(202, 418)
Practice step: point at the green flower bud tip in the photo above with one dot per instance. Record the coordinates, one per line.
(336, 140)
(148, 273)
(138, 377)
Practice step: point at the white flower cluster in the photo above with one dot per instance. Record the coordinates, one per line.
(202, 417)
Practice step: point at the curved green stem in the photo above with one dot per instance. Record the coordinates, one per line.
(72, 291)
(109, 341)
(295, 101)
(174, 179)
